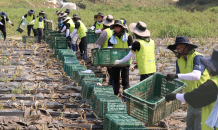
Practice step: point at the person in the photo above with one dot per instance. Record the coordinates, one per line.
(102, 41)
(69, 29)
(120, 39)
(98, 25)
(81, 29)
(67, 11)
(190, 70)
(30, 17)
(59, 20)
(4, 18)
(205, 95)
(62, 17)
(144, 48)
(39, 25)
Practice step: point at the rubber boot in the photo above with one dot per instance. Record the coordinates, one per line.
(116, 88)
(85, 55)
(74, 48)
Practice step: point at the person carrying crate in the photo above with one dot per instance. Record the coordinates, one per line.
(205, 96)
(102, 41)
(30, 17)
(4, 18)
(98, 25)
(39, 25)
(120, 39)
(144, 48)
(69, 29)
(81, 29)
(190, 70)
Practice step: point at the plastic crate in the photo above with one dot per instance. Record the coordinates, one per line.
(70, 66)
(61, 52)
(81, 75)
(51, 38)
(100, 104)
(57, 51)
(32, 39)
(92, 79)
(22, 26)
(87, 88)
(74, 72)
(133, 128)
(107, 56)
(69, 60)
(116, 108)
(115, 121)
(61, 43)
(92, 37)
(48, 25)
(146, 100)
(68, 54)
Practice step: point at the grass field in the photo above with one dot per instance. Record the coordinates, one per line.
(163, 17)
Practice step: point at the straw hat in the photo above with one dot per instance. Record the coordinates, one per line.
(99, 14)
(108, 20)
(140, 29)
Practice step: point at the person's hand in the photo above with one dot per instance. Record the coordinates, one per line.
(59, 31)
(12, 24)
(170, 97)
(68, 38)
(170, 77)
(117, 62)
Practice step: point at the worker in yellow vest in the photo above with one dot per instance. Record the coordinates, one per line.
(102, 41)
(205, 96)
(144, 48)
(4, 18)
(120, 39)
(81, 29)
(39, 25)
(30, 17)
(98, 25)
(190, 70)
(69, 29)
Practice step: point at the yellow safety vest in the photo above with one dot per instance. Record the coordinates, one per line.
(70, 19)
(29, 18)
(207, 109)
(109, 34)
(97, 26)
(72, 26)
(146, 57)
(36, 23)
(82, 30)
(187, 67)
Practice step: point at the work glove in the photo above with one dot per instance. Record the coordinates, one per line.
(117, 62)
(59, 31)
(170, 77)
(12, 24)
(170, 97)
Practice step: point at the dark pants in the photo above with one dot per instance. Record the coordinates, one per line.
(3, 29)
(83, 45)
(124, 76)
(35, 31)
(70, 44)
(40, 32)
(109, 70)
(29, 27)
(145, 76)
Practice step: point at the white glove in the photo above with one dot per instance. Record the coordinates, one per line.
(117, 62)
(92, 28)
(98, 31)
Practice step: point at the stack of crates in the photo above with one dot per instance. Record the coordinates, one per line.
(116, 108)
(69, 53)
(60, 43)
(122, 122)
(69, 68)
(69, 60)
(51, 38)
(58, 51)
(48, 25)
(75, 71)
(81, 75)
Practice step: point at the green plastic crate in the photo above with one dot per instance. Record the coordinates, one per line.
(134, 128)
(115, 121)
(69, 67)
(93, 79)
(100, 104)
(60, 43)
(48, 25)
(107, 56)
(81, 75)
(51, 38)
(92, 37)
(87, 88)
(61, 52)
(146, 100)
(67, 54)
(74, 72)
(32, 39)
(69, 60)
(116, 108)
(57, 51)
(22, 26)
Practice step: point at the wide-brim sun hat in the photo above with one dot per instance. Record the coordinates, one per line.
(58, 12)
(42, 12)
(64, 15)
(31, 11)
(3, 14)
(99, 14)
(211, 62)
(67, 11)
(181, 40)
(118, 22)
(76, 16)
(108, 20)
(140, 29)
